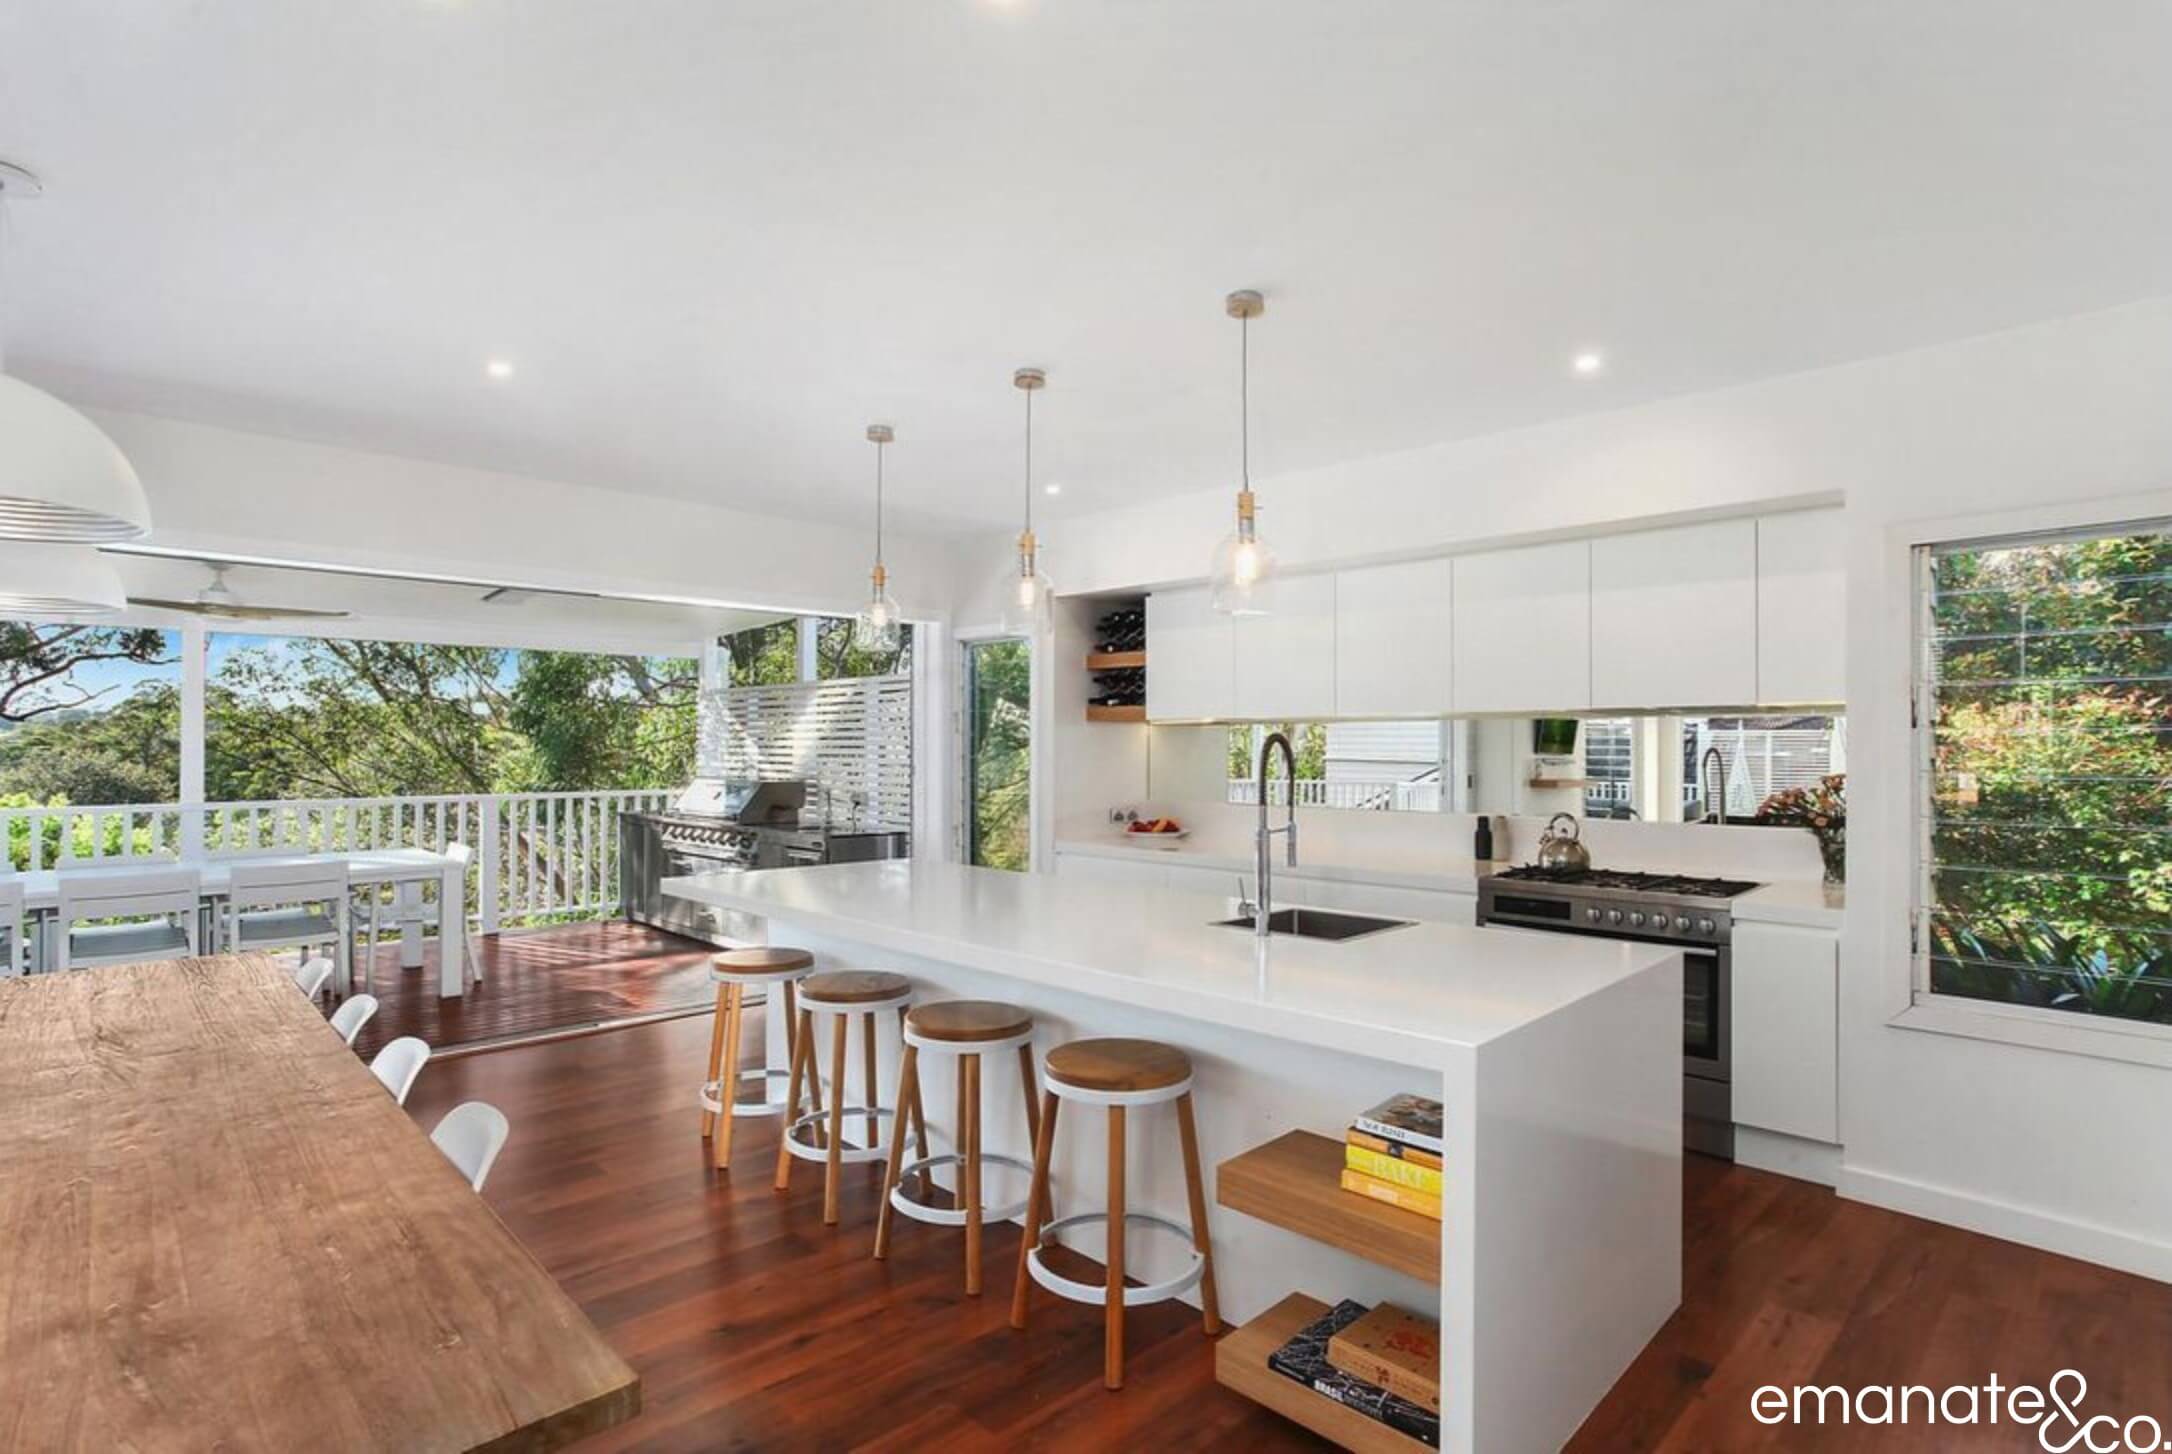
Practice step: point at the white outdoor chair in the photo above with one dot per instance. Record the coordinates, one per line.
(309, 977)
(291, 904)
(423, 914)
(167, 898)
(471, 1136)
(353, 1013)
(399, 1063)
(14, 958)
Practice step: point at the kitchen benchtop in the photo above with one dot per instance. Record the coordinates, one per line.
(1804, 903)
(1415, 995)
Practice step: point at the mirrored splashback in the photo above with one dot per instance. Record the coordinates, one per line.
(1656, 768)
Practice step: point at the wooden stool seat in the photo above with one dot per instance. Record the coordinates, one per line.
(759, 962)
(1119, 1065)
(853, 986)
(968, 1021)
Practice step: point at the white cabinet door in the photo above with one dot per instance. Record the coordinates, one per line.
(1802, 628)
(1189, 657)
(1285, 665)
(1392, 640)
(1522, 629)
(1786, 1021)
(1674, 617)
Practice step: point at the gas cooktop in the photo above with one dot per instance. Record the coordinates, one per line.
(1623, 880)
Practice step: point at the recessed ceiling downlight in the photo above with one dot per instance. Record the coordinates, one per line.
(499, 368)
(1589, 362)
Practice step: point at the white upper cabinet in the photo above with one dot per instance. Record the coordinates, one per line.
(1391, 640)
(1286, 658)
(1522, 629)
(1674, 617)
(1189, 657)
(1802, 586)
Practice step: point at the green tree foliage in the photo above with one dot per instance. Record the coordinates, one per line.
(1002, 740)
(40, 664)
(129, 753)
(2052, 779)
(1307, 739)
(589, 721)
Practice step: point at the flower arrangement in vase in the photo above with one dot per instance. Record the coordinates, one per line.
(1824, 811)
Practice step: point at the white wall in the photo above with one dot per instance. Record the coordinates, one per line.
(223, 491)
(2042, 1146)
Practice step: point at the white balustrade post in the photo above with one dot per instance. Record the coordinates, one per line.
(486, 889)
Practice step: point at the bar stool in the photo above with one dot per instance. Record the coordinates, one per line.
(965, 1030)
(1117, 1074)
(732, 971)
(841, 994)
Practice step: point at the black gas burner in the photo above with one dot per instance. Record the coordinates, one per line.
(1623, 880)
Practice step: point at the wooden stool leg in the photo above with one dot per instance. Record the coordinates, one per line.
(908, 1080)
(814, 1059)
(920, 1115)
(1112, 1361)
(1195, 1187)
(802, 1058)
(867, 1065)
(957, 1141)
(1027, 1087)
(716, 1054)
(727, 1086)
(1044, 1139)
(834, 1174)
(969, 1067)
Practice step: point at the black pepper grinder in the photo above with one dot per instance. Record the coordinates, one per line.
(1482, 840)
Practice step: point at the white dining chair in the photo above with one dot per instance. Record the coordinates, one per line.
(291, 904)
(14, 956)
(310, 977)
(399, 1063)
(421, 914)
(163, 902)
(353, 1013)
(471, 1136)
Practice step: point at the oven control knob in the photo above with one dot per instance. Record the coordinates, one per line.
(1706, 926)
(1681, 922)
(1613, 916)
(1636, 917)
(1593, 915)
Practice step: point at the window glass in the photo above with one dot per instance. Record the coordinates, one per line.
(999, 754)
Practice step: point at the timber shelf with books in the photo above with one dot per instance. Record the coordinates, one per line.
(1240, 1363)
(1295, 1181)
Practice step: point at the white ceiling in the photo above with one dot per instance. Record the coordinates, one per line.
(716, 240)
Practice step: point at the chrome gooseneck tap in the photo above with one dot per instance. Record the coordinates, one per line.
(1265, 860)
(1711, 756)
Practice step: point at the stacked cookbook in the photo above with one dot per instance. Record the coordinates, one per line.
(1392, 1154)
(1381, 1362)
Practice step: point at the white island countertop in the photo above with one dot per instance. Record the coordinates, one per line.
(1415, 994)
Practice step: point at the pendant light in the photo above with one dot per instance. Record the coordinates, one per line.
(1243, 572)
(876, 628)
(43, 581)
(61, 479)
(1026, 591)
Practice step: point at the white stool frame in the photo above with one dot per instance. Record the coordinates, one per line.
(834, 1154)
(711, 1094)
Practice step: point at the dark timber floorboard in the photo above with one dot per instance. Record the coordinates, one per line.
(754, 1327)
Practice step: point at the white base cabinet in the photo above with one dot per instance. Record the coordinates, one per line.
(1786, 1024)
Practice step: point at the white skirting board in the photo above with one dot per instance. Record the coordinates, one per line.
(2031, 1228)
(1804, 1160)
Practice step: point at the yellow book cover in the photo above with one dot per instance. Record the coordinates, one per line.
(1396, 1149)
(1408, 1199)
(1393, 1168)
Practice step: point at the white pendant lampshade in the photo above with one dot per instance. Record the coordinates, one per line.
(1027, 590)
(45, 581)
(61, 479)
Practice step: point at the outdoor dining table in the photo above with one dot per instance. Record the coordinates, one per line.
(406, 870)
(222, 1233)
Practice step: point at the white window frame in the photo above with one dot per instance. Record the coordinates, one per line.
(1899, 938)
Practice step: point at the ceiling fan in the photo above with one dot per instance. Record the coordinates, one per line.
(218, 599)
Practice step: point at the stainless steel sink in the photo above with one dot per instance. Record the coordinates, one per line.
(1318, 924)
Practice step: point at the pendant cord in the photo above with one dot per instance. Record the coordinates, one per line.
(1029, 461)
(878, 503)
(1244, 395)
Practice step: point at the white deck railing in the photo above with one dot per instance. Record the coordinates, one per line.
(1377, 794)
(538, 855)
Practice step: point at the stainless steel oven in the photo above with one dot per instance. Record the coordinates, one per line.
(1684, 913)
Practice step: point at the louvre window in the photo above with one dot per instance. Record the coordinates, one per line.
(2044, 723)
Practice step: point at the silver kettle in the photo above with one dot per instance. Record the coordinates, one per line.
(1563, 849)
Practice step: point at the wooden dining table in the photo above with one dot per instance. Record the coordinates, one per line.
(218, 1231)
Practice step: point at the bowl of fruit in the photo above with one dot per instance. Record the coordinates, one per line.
(1156, 830)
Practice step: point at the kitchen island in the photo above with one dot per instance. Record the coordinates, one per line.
(1558, 1062)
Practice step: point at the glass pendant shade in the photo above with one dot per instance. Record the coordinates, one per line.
(43, 581)
(1242, 575)
(1027, 592)
(878, 627)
